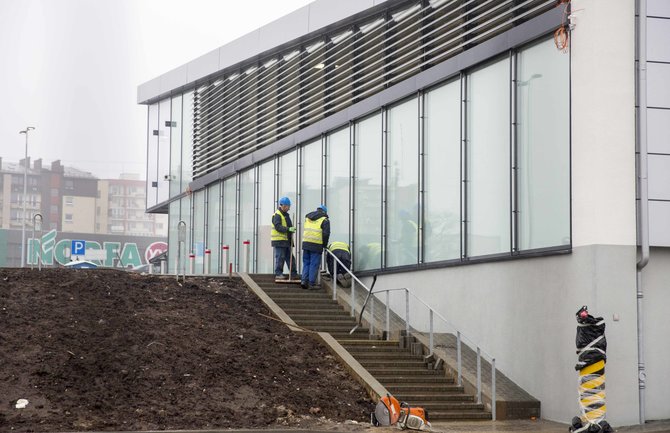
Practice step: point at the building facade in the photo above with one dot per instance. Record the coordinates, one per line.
(464, 150)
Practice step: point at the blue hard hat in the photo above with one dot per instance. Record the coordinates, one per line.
(323, 208)
(285, 201)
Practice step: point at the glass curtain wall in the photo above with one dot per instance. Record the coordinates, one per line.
(187, 148)
(266, 208)
(214, 225)
(164, 129)
(229, 212)
(488, 160)
(199, 229)
(287, 184)
(402, 193)
(543, 143)
(175, 147)
(310, 187)
(442, 173)
(152, 156)
(173, 235)
(337, 184)
(186, 208)
(246, 219)
(367, 193)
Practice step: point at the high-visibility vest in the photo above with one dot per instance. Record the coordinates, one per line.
(277, 235)
(339, 246)
(312, 232)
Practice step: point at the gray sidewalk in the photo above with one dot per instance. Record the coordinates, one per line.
(537, 426)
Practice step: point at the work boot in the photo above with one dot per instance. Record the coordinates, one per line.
(314, 287)
(303, 285)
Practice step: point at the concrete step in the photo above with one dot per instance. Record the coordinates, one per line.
(324, 314)
(359, 334)
(405, 371)
(302, 302)
(393, 362)
(332, 329)
(458, 415)
(420, 397)
(307, 308)
(303, 294)
(334, 325)
(394, 379)
(404, 356)
(357, 345)
(446, 387)
(449, 406)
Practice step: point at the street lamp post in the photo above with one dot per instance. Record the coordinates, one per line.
(25, 199)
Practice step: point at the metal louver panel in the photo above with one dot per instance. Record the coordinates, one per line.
(246, 109)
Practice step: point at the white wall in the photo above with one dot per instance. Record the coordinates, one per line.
(523, 313)
(603, 122)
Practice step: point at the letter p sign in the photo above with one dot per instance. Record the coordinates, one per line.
(78, 248)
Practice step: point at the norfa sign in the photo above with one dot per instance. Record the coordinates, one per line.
(115, 253)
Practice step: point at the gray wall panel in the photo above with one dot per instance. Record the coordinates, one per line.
(323, 13)
(174, 79)
(203, 66)
(240, 49)
(658, 130)
(658, 91)
(148, 90)
(288, 28)
(658, 8)
(658, 34)
(659, 223)
(659, 177)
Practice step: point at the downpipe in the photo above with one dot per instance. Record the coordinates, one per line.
(642, 183)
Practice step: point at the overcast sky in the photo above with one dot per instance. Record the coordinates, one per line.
(71, 69)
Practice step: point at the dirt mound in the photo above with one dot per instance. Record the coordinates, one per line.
(109, 350)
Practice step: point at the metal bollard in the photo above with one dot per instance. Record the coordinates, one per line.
(247, 248)
(151, 268)
(163, 267)
(191, 263)
(208, 261)
(225, 250)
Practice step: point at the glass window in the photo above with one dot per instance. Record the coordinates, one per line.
(186, 208)
(442, 173)
(246, 220)
(173, 235)
(187, 141)
(228, 224)
(175, 147)
(403, 184)
(367, 193)
(543, 142)
(199, 229)
(165, 119)
(337, 184)
(152, 156)
(310, 188)
(288, 188)
(266, 208)
(488, 160)
(214, 225)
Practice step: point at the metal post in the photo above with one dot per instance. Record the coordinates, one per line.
(334, 277)
(247, 247)
(208, 261)
(25, 193)
(388, 317)
(493, 389)
(372, 315)
(163, 267)
(37, 240)
(430, 338)
(191, 264)
(458, 358)
(407, 311)
(181, 244)
(479, 375)
(353, 297)
(225, 250)
(151, 268)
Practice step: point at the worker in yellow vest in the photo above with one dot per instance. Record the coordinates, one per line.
(281, 238)
(343, 254)
(314, 240)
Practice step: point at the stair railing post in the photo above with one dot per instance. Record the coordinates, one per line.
(430, 339)
(459, 360)
(372, 315)
(407, 311)
(353, 298)
(388, 317)
(334, 277)
(479, 375)
(493, 389)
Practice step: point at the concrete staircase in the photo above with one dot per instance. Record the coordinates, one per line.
(409, 377)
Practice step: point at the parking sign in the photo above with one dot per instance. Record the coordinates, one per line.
(78, 248)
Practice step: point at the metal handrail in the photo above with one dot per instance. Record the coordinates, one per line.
(459, 335)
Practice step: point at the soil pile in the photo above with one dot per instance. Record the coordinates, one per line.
(110, 350)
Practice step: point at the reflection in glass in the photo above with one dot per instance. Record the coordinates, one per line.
(403, 184)
(152, 156)
(288, 188)
(187, 248)
(442, 173)
(173, 238)
(214, 225)
(175, 147)
(266, 207)
(187, 139)
(488, 160)
(228, 224)
(165, 116)
(246, 220)
(543, 140)
(310, 188)
(367, 193)
(199, 229)
(337, 184)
